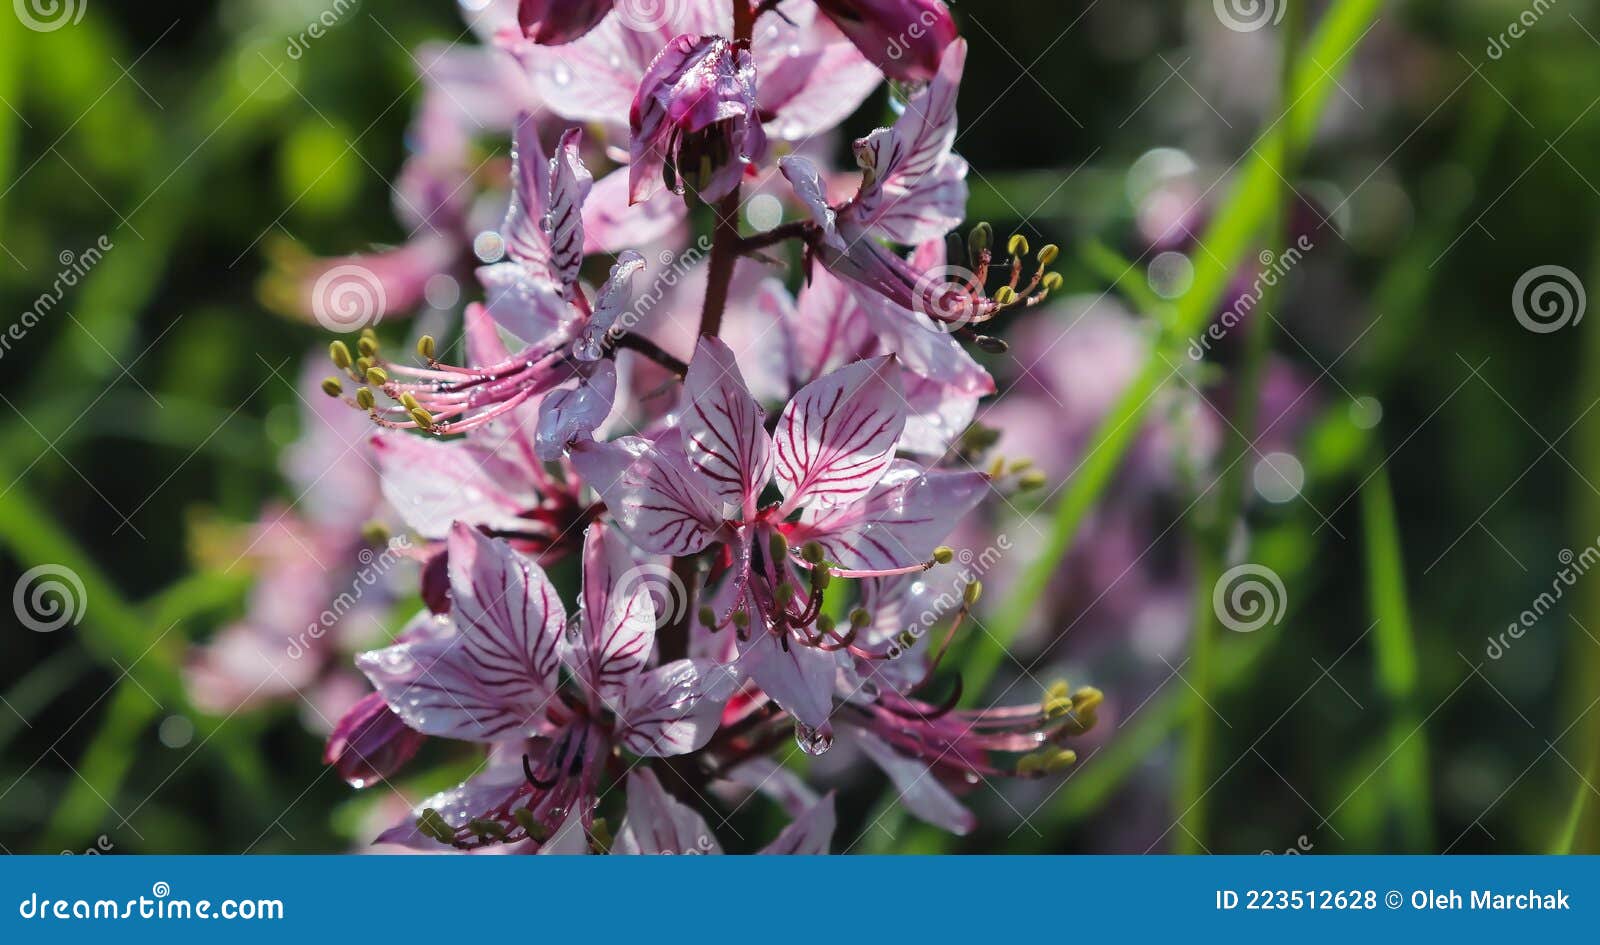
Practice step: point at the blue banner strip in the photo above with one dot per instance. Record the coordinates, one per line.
(777, 899)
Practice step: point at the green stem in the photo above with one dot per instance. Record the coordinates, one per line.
(1395, 650)
(1214, 538)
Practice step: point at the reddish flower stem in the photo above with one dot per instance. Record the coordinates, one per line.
(725, 243)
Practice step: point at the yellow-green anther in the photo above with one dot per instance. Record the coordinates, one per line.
(972, 592)
(821, 577)
(364, 398)
(784, 593)
(708, 617)
(332, 387)
(408, 401)
(600, 833)
(340, 353)
(1048, 254)
(423, 418)
(741, 619)
(363, 365)
(1060, 758)
(1087, 699)
(486, 828)
(979, 240)
(944, 554)
(1051, 282)
(375, 533)
(377, 376)
(1031, 480)
(1018, 245)
(1005, 295)
(812, 552)
(367, 346)
(426, 346)
(859, 618)
(778, 546)
(524, 818)
(1027, 765)
(826, 623)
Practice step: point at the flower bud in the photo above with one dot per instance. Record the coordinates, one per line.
(904, 38)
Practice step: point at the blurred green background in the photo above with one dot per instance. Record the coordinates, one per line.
(152, 404)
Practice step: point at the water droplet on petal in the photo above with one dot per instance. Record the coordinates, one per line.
(561, 74)
(588, 347)
(812, 741)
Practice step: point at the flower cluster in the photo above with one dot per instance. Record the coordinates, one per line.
(758, 523)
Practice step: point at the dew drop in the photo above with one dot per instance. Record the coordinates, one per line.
(588, 347)
(812, 741)
(561, 74)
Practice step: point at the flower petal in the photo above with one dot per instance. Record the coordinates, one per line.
(915, 189)
(619, 617)
(570, 181)
(432, 484)
(658, 823)
(651, 492)
(610, 225)
(497, 784)
(798, 678)
(571, 414)
(899, 523)
(920, 791)
(837, 436)
(509, 615)
(808, 185)
(673, 709)
(723, 430)
(811, 834)
(434, 688)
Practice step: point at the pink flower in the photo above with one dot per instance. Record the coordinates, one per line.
(534, 294)
(832, 458)
(694, 119)
(904, 38)
(807, 75)
(492, 676)
(370, 743)
(913, 189)
(829, 326)
(553, 22)
(659, 824)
